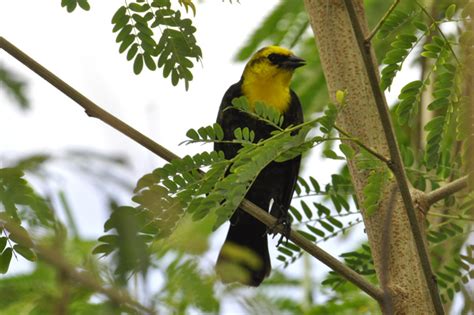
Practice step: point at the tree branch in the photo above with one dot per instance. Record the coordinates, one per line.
(398, 169)
(382, 21)
(83, 278)
(362, 145)
(446, 190)
(95, 111)
(90, 108)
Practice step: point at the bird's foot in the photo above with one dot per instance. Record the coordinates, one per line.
(282, 225)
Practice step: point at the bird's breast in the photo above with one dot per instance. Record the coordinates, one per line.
(275, 93)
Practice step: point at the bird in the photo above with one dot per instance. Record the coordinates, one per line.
(266, 78)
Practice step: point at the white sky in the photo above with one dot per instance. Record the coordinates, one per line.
(80, 48)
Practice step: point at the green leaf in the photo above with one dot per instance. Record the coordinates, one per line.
(238, 133)
(326, 226)
(138, 64)
(150, 63)
(347, 150)
(335, 222)
(394, 21)
(429, 54)
(139, 8)
(296, 214)
(421, 26)
(449, 13)
(84, 5)
(332, 155)
(307, 211)
(105, 249)
(316, 230)
(218, 131)
(3, 243)
(174, 77)
(5, 259)
(26, 252)
(315, 184)
(432, 47)
(192, 134)
(307, 236)
(119, 14)
(132, 51)
(128, 40)
(24, 238)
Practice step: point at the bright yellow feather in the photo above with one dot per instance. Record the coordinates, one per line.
(264, 81)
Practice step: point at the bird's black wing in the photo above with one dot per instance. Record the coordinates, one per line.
(230, 119)
(294, 116)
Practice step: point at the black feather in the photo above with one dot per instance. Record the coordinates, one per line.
(276, 181)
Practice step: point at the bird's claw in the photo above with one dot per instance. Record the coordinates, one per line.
(283, 223)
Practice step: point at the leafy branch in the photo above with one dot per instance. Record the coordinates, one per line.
(134, 23)
(14, 86)
(71, 5)
(452, 8)
(83, 278)
(95, 111)
(382, 21)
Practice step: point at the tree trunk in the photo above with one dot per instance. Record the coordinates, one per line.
(393, 248)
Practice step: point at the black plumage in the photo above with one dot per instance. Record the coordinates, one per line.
(276, 182)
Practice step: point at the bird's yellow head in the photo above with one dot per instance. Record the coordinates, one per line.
(267, 76)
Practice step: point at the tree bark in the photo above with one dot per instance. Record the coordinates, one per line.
(394, 251)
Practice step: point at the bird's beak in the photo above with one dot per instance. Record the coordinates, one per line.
(293, 62)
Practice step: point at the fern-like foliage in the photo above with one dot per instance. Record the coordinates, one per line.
(18, 203)
(439, 138)
(14, 87)
(455, 274)
(409, 98)
(287, 12)
(401, 47)
(404, 43)
(71, 5)
(359, 260)
(394, 22)
(314, 219)
(181, 190)
(135, 23)
(183, 278)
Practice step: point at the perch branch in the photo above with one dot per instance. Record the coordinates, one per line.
(90, 108)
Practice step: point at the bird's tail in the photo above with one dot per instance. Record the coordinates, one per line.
(244, 256)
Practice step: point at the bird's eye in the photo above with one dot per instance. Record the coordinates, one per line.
(276, 58)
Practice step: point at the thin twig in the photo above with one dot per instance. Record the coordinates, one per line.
(451, 216)
(83, 278)
(395, 157)
(382, 20)
(367, 148)
(162, 152)
(91, 109)
(435, 23)
(446, 190)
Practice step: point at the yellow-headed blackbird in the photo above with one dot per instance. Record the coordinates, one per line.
(266, 78)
